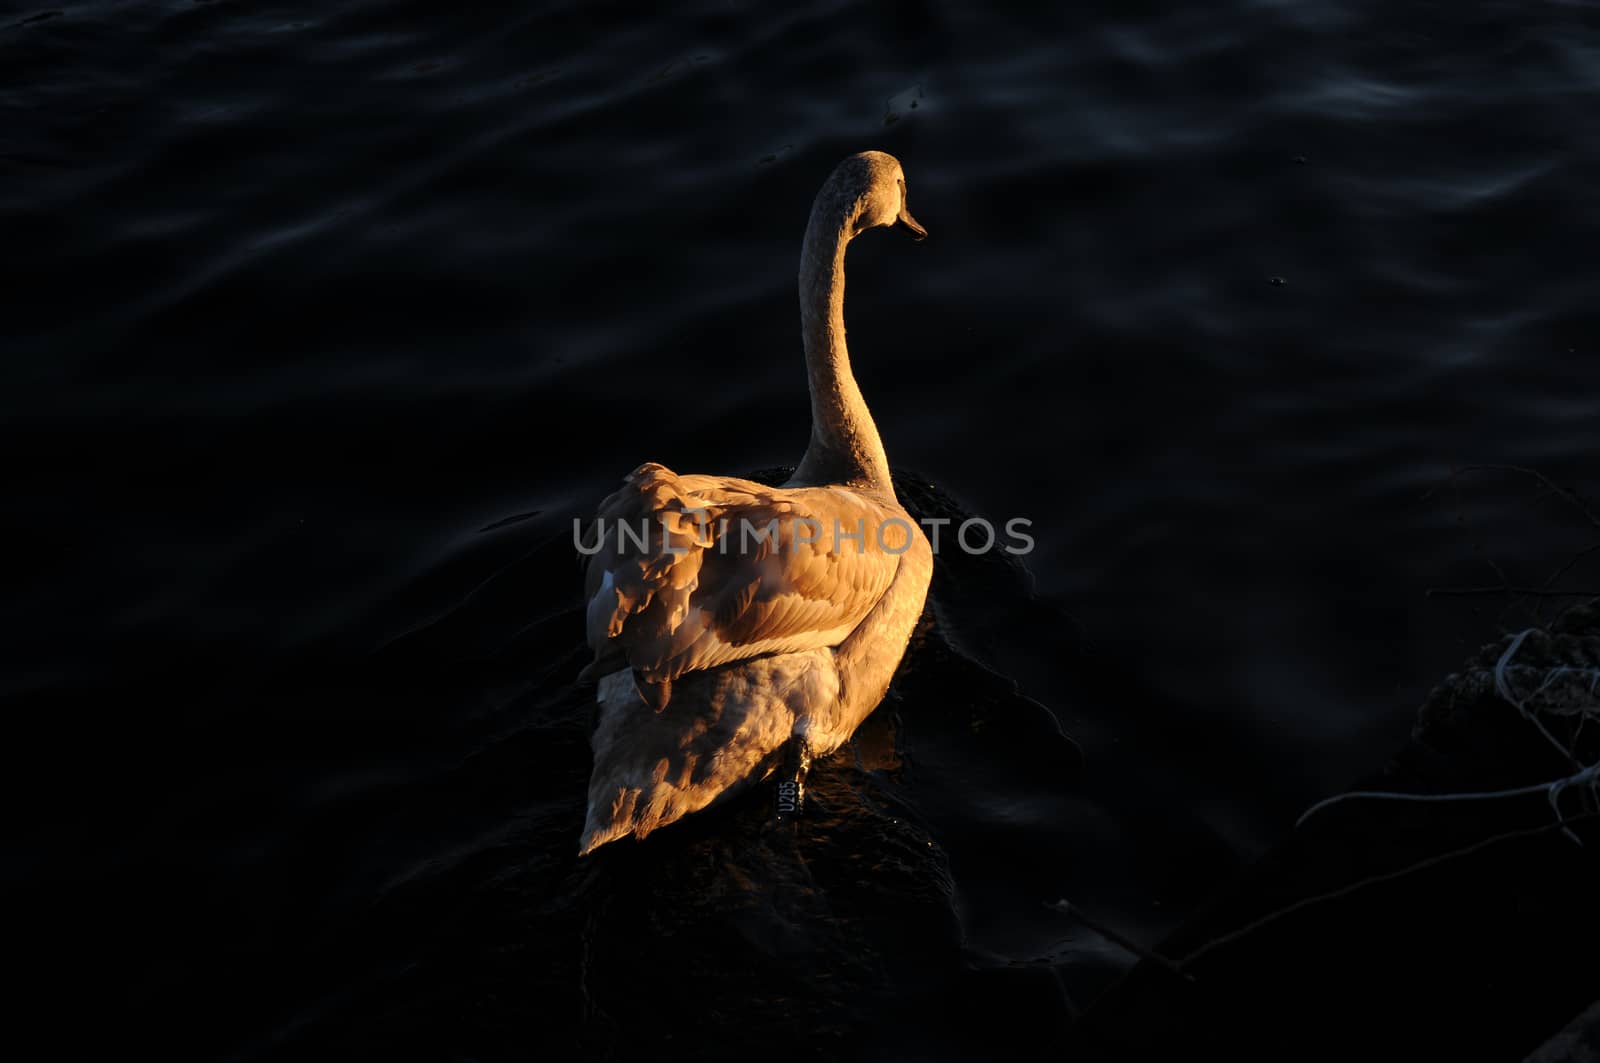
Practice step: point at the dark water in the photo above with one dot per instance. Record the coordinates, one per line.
(321, 323)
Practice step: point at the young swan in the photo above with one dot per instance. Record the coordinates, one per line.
(739, 628)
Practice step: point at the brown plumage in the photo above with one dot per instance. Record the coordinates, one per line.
(727, 573)
(734, 624)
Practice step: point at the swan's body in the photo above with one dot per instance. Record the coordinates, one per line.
(755, 624)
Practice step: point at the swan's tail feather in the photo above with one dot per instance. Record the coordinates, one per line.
(728, 729)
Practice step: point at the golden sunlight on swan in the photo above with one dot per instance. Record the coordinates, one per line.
(740, 629)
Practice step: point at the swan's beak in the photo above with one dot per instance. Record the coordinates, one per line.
(911, 225)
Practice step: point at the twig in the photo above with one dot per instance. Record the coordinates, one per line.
(1517, 596)
(1586, 775)
(1502, 687)
(1581, 778)
(1505, 581)
(1567, 494)
(1532, 592)
(1571, 561)
(1388, 876)
(1067, 908)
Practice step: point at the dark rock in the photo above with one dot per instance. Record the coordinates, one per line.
(1395, 930)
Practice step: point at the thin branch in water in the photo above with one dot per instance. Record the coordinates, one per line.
(1398, 795)
(1565, 493)
(1502, 687)
(1532, 599)
(1374, 880)
(1572, 561)
(1588, 777)
(1067, 908)
(1532, 592)
(1505, 581)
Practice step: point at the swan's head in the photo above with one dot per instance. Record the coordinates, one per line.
(876, 184)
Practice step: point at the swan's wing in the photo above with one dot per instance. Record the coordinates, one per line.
(729, 570)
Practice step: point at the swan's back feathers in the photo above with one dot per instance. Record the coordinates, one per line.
(731, 570)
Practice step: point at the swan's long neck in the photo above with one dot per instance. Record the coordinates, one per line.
(845, 447)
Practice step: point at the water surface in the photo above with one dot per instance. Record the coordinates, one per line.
(299, 302)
